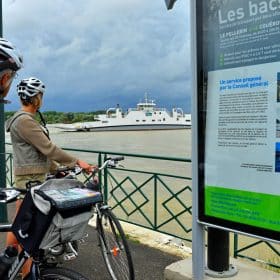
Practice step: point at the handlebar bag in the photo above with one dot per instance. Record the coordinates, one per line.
(60, 211)
(73, 205)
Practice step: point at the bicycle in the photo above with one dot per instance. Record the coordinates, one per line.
(40, 269)
(112, 239)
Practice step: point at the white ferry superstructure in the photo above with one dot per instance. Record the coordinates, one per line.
(145, 117)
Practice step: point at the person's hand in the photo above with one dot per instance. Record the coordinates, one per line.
(95, 169)
(95, 180)
(85, 166)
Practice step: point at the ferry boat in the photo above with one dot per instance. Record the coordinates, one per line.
(146, 116)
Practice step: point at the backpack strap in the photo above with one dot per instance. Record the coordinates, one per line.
(20, 114)
(45, 130)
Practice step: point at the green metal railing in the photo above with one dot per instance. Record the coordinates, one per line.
(267, 254)
(9, 169)
(137, 212)
(153, 198)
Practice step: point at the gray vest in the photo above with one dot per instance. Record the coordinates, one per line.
(27, 159)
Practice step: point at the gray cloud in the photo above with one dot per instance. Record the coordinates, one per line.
(102, 50)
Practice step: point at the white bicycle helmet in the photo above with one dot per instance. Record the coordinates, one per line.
(14, 60)
(30, 87)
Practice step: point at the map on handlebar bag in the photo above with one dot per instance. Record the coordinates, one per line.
(71, 198)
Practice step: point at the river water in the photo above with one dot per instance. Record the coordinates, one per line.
(171, 143)
(167, 143)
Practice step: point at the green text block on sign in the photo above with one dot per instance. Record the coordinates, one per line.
(251, 208)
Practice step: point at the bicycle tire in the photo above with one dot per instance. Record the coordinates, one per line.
(59, 273)
(114, 246)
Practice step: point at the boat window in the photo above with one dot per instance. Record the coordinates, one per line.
(143, 120)
(137, 120)
(177, 119)
(153, 120)
(163, 119)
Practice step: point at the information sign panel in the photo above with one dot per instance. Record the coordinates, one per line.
(239, 115)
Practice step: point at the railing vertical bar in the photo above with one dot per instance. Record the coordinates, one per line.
(11, 169)
(105, 181)
(100, 172)
(155, 202)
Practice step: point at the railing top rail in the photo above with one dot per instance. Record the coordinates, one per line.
(127, 154)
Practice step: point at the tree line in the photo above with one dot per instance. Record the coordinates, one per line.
(65, 117)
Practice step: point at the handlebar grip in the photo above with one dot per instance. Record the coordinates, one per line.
(117, 158)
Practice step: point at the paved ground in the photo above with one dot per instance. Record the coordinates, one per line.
(149, 263)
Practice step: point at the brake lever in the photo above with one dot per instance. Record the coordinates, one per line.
(111, 164)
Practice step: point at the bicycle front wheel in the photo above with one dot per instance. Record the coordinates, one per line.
(59, 273)
(114, 246)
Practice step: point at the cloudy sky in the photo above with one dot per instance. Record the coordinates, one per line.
(94, 54)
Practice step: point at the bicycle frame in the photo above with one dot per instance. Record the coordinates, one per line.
(39, 267)
(20, 259)
(115, 247)
(112, 239)
(17, 265)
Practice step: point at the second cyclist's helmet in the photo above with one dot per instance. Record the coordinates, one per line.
(30, 87)
(10, 57)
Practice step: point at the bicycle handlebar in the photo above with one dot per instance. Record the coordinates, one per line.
(76, 170)
(116, 158)
(11, 194)
(110, 162)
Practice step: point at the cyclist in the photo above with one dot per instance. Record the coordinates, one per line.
(10, 62)
(34, 152)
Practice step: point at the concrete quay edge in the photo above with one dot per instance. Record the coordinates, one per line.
(182, 270)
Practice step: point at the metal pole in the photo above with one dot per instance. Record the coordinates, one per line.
(218, 250)
(218, 254)
(3, 208)
(198, 243)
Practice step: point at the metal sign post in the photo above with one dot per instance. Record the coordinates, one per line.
(198, 243)
(3, 208)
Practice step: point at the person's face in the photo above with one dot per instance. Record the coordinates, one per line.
(39, 101)
(5, 82)
(41, 98)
